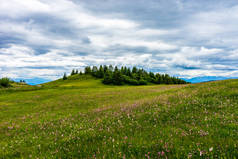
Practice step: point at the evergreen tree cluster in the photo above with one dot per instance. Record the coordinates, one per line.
(126, 75)
(74, 72)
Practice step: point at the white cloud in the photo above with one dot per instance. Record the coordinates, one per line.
(71, 35)
(217, 27)
(17, 9)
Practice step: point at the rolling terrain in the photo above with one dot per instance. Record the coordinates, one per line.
(82, 118)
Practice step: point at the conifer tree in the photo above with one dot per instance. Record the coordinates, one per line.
(117, 77)
(94, 71)
(105, 68)
(134, 70)
(73, 72)
(108, 77)
(128, 72)
(65, 76)
(122, 70)
(111, 68)
(100, 73)
(151, 77)
(87, 70)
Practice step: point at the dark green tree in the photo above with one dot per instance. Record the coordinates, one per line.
(65, 76)
(87, 70)
(100, 72)
(105, 68)
(111, 68)
(128, 72)
(94, 71)
(73, 72)
(134, 70)
(108, 77)
(117, 77)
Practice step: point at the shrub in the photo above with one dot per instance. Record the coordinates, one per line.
(5, 82)
(133, 82)
(142, 82)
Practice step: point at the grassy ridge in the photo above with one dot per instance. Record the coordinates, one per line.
(85, 119)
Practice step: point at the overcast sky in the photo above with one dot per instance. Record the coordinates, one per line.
(185, 38)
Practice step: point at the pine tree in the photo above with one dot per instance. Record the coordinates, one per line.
(73, 72)
(128, 72)
(94, 71)
(140, 74)
(134, 70)
(122, 70)
(87, 70)
(151, 77)
(100, 73)
(158, 79)
(65, 76)
(105, 68)
(107, 78)
(111, 68)
(117, 77)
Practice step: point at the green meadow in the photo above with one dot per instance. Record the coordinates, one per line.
(83, 118)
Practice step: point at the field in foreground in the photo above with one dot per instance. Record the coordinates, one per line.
(85, 119)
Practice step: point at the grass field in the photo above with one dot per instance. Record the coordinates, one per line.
(82, 118)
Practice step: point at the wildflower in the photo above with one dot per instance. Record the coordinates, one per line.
(124, 156)
(210, 149)
(162, 153)
(200, 153)
(10, 127)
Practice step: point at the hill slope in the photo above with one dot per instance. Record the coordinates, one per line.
(82, 118)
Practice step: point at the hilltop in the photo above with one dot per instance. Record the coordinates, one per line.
(125, 75)
(82, 118)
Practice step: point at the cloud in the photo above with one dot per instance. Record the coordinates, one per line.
(40, 38)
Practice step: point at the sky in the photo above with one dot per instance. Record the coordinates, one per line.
(42, 39)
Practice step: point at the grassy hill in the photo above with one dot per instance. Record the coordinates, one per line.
(82, 118)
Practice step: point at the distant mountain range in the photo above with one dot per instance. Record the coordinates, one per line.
(207, 78)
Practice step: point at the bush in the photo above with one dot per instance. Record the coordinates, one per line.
(133, 82)
(5, 82)
(142, 82)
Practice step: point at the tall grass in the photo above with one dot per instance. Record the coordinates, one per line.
(79, 120)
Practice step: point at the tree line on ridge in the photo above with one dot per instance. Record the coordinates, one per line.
(125, 75)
